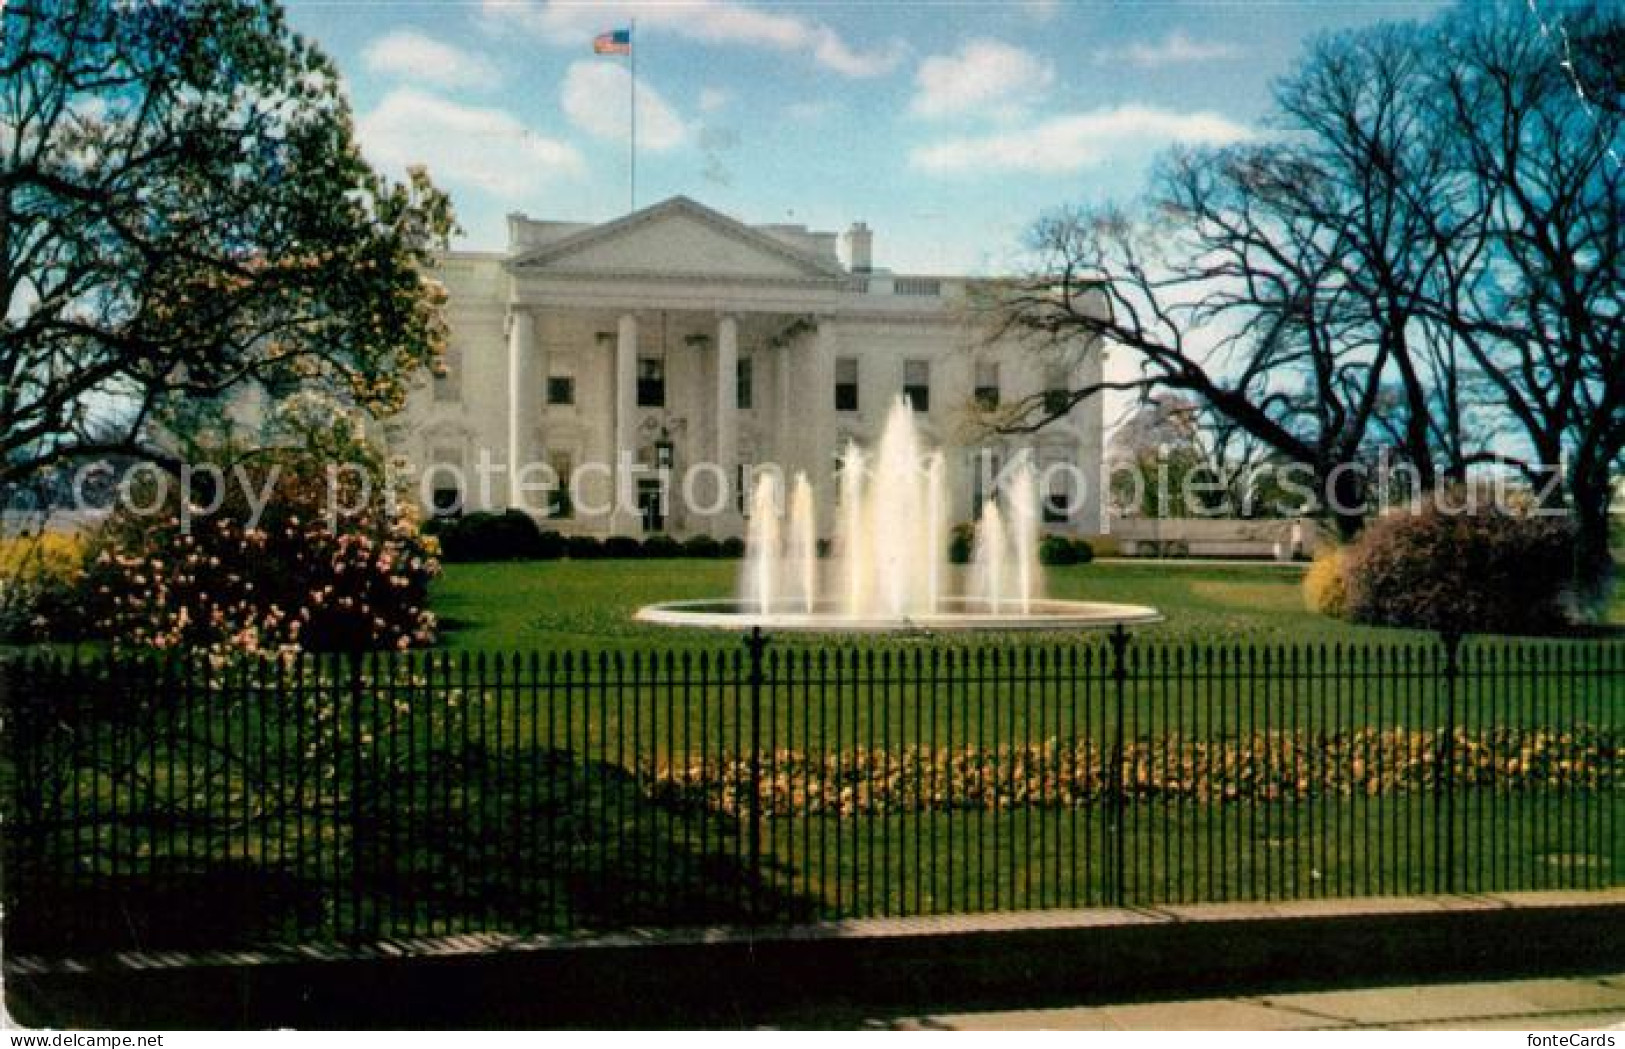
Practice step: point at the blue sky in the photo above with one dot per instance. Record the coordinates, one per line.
(948, 127)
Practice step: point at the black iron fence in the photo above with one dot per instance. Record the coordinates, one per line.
(174, 803)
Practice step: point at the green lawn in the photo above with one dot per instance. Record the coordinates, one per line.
(1291, 676)
(556, 605)
(613, 793)
(560, 605)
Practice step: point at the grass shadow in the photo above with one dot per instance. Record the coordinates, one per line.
(472, 840)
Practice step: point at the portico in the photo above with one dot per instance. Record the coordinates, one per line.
(658, 358)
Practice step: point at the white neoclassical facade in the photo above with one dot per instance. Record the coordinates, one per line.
(657, 359)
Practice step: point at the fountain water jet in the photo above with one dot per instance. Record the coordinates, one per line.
(936, 523)
(1023, 501)
(855, 568)
(988, 556)
(888, 571)
(762, 554)
(803, 549)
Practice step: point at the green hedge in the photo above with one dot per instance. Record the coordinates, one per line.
(1058, 550)
(509, 535)
(513, 535)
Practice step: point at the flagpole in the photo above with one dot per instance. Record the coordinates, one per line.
(632, 160)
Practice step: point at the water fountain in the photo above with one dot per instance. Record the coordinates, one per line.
(887, 567)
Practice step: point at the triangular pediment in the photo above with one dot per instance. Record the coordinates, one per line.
(677, 237)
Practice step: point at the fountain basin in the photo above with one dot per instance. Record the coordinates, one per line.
(954, 614)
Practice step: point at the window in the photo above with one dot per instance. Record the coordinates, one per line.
(561, 389)
(1057, 506)
(446, 501)
(558, 500)
(651, 382)
(652, 504)
(448, 380)
(445, 478)
(917, 384)
(742, 376)
(987, 385)
(846, 384)
(1057, 391)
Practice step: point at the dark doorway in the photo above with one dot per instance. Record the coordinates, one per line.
(652, 504)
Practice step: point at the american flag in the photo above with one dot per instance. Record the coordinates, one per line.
(614, 42)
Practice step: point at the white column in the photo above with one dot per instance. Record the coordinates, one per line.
(819, 444)
(727, 420)
(521, 392)
(624, 519)
(789, 451)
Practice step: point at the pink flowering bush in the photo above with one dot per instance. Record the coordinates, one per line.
(295, 579)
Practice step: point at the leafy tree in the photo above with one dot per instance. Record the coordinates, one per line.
(184, 212)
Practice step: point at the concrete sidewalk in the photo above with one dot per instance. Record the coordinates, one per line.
(1570, 1004)
(1534, 959)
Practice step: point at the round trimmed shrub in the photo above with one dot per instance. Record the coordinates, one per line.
(1057, 550)
(701, 546)
(1084, 552)
(583, 548)
(507, 535)
(622, 547)
(732, 547)
(1487, 571)
(662, 546)
(550, 546)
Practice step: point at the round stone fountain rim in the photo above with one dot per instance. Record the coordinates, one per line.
(1043, 614)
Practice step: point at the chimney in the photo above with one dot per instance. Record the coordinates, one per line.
(859, 248)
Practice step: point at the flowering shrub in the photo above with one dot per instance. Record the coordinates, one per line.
(300, 576)
(1488, 571)
(39, 580)
(1276, 766)
(1325, 585)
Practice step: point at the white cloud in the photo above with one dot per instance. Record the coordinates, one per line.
(408, 53)
(1177, 48)
(724, 22)
(983, 76)
(1074, 141)
(713, 99)
(489, 149)
(595, 96)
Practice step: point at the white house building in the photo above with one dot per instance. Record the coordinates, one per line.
(675, 348)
